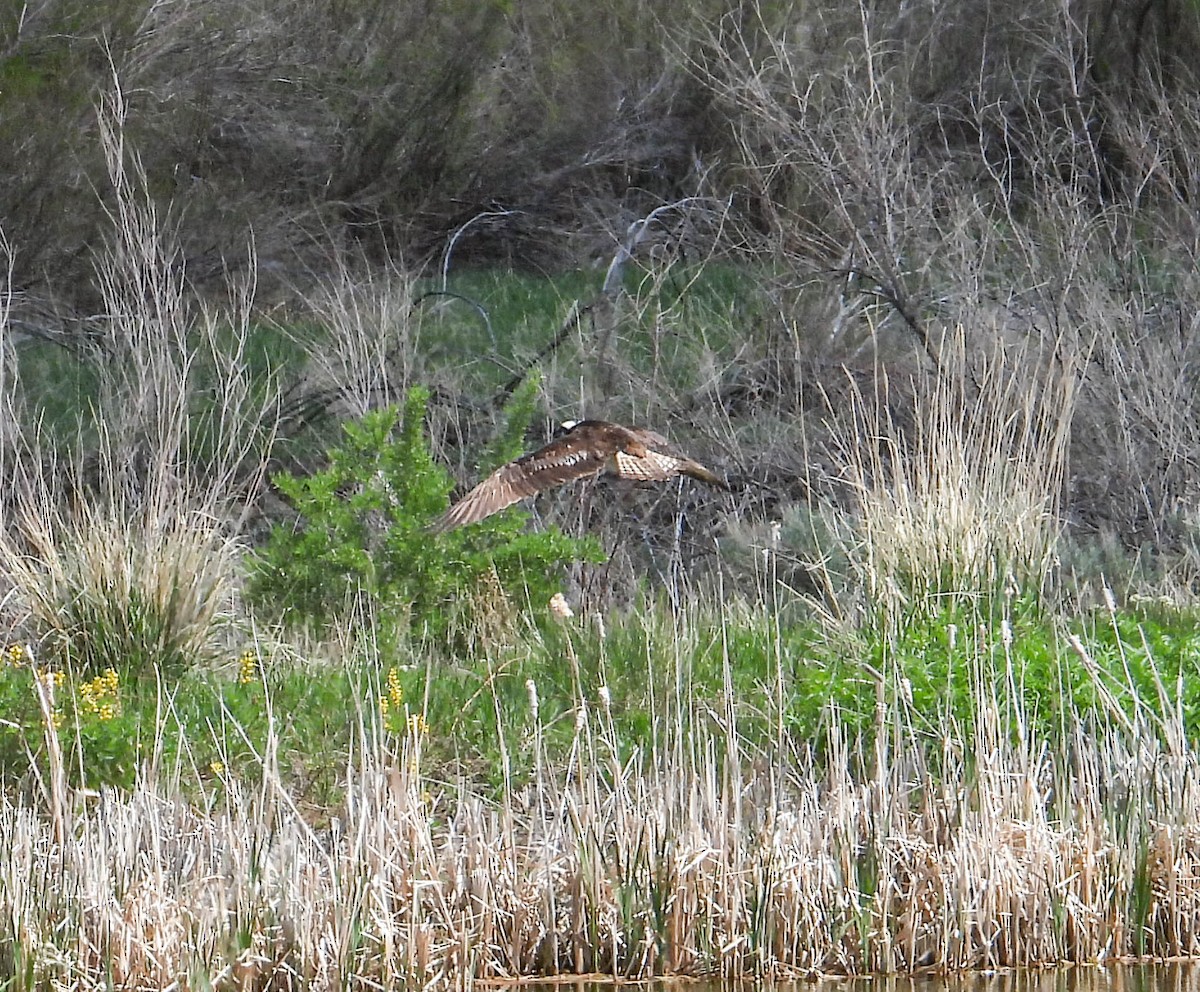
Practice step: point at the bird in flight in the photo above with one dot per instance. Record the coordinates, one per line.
(589, 447)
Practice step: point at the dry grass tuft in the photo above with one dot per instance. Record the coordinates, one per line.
(99, 590)
(959, 494)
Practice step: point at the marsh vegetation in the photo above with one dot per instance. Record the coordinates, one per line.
(921, 691)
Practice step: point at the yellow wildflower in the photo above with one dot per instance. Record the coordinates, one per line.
(395, 689)
(247, 667)
(99, 696)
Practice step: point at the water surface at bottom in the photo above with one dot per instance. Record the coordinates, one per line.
(1170, 976)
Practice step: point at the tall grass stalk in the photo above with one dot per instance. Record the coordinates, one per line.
(365, 346)
(958, 495)
(182, 422)
(123, 555)
(9, 429)
(697, 862)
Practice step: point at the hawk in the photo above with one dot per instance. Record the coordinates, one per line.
(589, 447)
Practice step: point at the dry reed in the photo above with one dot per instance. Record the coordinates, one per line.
(965, 496)
(707, 859)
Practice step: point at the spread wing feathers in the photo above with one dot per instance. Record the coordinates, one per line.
(589, 448)
(649, 457)
(557, 463)
(652, 466)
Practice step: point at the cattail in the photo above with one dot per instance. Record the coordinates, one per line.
(560, 607)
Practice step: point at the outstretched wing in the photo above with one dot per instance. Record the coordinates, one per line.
(560, 461)
(648, 466)
(647, 456)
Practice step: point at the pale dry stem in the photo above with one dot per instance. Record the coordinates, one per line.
(699, 868)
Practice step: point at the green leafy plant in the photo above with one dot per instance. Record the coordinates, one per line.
(95, 719)
(362, 535)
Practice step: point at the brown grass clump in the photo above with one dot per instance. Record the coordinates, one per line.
(98, 590)
(960, 494)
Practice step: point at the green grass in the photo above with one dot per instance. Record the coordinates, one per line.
(671, 322)
(65, 386)
(659, 671)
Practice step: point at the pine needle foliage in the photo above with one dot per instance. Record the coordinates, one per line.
(361, 537)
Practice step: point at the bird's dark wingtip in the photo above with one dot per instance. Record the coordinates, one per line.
(698, 471)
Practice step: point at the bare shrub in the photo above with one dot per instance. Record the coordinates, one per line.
(1040, 206)
(380, 127)
(359, 335)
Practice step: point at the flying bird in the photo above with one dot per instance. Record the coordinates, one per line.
(589, 447)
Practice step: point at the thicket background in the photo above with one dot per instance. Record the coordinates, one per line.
(880, 172)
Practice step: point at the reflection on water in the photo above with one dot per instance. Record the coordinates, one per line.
(1178, 976)
(1174, 976)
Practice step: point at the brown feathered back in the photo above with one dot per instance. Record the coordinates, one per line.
(588, 448)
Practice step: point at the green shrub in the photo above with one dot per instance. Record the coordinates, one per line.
(363, 536)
